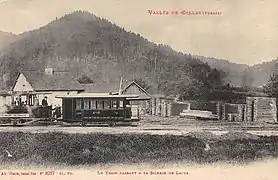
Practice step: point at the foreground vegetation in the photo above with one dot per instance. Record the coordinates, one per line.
(90, 149)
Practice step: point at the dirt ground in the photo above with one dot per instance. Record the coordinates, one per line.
(159, 125)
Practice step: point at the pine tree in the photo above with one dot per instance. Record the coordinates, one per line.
(272, 86)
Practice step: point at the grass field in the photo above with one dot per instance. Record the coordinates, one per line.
(57, 148)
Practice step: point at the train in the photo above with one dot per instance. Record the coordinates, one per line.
(88, 108)
(83, 108)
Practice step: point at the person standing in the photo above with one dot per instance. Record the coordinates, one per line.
(36, 101)
(44, 101)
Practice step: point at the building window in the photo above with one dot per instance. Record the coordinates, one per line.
(121, 104)
(86, 104)
(99, 104)
(93, 104)
(115, 104)
(106, 104)
(78, 104)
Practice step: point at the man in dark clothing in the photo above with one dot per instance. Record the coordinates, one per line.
(56, 112)
(44, 101)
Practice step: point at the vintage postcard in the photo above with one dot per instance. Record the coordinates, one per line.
(149, 89)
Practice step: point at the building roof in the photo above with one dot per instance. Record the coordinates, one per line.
(144, 96)
(140, 87)
(101, 87)
(4, 93)
(113, 87)
(96, 95)
(58, 81)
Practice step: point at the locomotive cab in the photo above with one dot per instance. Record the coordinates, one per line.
(23, 109)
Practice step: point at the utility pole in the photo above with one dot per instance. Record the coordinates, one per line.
(155, 61)
(120, 88)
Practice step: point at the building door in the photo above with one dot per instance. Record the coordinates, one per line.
(135, 112)
(67, 109)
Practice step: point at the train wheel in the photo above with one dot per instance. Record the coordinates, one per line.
(83, 124)
(14, 122)
(112, 124)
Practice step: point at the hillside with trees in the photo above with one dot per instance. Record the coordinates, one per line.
(233, 73)
(260, 74)
(271, 87)
(96, 51)
(6, 39)
(242, 75)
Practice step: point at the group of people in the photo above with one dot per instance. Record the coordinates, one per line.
(56, 111)
(18, 102)
(44, 101)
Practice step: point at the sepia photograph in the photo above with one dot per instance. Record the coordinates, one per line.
(154, 89)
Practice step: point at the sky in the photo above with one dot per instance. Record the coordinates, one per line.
(245, 31)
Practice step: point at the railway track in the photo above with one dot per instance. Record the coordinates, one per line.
(155, 130)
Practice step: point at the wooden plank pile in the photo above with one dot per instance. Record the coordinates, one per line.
(230, 112)
(264, 109)
(256, 109)
(164, 107)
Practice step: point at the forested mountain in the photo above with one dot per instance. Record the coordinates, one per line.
(241, 74)
(234, 73)
(94, 49)
(6, 39)
(259, 74)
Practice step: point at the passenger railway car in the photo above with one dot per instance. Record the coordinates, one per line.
(88, 108)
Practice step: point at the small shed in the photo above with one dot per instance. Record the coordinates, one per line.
(143, 101)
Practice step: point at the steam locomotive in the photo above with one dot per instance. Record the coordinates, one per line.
(20, 112)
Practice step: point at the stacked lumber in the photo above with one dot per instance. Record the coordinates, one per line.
(158, 107)
(148, 107)
(219, 107)
(250, 109)
(153, 106)
(163, 108)
(240, 114)
(265, 109)
(169, 109)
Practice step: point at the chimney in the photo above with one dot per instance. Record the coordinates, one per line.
(49, 71)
